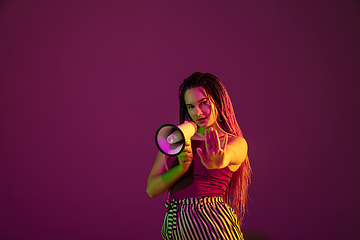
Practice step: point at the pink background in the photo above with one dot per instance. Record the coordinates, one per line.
(85, 84)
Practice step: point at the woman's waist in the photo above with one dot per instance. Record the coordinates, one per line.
(196, 200)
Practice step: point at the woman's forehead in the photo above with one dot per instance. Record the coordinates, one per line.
(193, 95)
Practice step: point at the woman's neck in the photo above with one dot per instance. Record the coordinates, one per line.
(201, 131)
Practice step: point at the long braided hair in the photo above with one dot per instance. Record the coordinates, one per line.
(237, 194)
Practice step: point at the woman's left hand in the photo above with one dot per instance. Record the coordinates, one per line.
(214, 156)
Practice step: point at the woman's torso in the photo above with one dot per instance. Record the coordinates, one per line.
(199, 181)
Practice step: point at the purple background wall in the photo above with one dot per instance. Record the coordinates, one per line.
(85, 84)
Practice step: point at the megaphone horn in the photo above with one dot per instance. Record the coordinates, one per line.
(170, 139)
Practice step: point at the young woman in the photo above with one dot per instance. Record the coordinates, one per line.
(208, 181)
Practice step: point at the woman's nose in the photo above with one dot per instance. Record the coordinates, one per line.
(198, 111)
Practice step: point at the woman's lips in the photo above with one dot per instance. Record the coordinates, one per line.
(201, 120)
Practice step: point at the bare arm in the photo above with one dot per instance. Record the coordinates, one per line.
(161, 180)
(236, 151)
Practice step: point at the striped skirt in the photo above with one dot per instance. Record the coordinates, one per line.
(200, 218)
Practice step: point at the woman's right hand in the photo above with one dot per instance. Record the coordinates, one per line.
(185, 158)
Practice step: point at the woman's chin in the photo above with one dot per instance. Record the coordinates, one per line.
(204, 125)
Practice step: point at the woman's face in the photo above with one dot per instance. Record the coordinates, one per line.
(200, 108)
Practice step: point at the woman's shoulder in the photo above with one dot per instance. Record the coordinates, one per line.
(236, 140)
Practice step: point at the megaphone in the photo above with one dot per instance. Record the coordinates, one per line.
(170, 139)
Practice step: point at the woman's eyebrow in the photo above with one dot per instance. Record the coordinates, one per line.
(198, 101)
